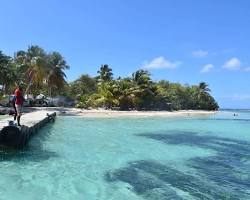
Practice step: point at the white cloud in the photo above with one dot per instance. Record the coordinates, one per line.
(232, 64)
(241, 97)
(200, 53)
(207, 68)
(161, 63)
(247, 69)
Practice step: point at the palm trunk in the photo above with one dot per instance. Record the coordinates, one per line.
(4, 88)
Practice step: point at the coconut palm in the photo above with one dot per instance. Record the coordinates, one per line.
(55, 77)
(126, 94)
(144, 89)
(41, 68)
(34, 65)
(202, 90)
(141, 77)
(105, 74)
(109, 92)
(203, 87)
(38, 67)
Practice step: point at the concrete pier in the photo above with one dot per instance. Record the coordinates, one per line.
(18, 137)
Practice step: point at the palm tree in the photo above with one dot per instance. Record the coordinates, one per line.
(55, 77)
(41, 68)
(38, 67)
(34, 64)
(141, 77)
(202, 90)
(203, 87)
(126, 93)
(201, 94)
(105, 73)
(143, 89)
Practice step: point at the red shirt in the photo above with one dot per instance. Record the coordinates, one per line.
(19, 97)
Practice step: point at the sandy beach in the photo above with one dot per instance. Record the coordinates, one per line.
(112, 113)
(62, 111)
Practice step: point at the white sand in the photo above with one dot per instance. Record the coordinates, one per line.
(112, 113)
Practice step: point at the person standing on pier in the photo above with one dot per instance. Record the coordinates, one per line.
(13, 102)
(19, 103)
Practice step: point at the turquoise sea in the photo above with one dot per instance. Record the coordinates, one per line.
(133, 158)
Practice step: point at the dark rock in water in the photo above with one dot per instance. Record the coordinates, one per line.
(11, 136)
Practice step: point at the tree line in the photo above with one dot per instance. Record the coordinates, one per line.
(43, 72)
(139, 92)
(37, 70)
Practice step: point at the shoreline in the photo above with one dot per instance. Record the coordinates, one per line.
(101, 113)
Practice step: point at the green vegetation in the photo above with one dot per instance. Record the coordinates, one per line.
(37, 70)
(139, 92)
(43, 72)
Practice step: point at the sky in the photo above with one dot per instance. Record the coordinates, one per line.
(184, 41)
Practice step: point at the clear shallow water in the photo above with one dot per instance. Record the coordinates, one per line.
(133, 158)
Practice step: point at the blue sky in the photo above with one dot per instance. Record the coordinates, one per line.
(185, 41)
